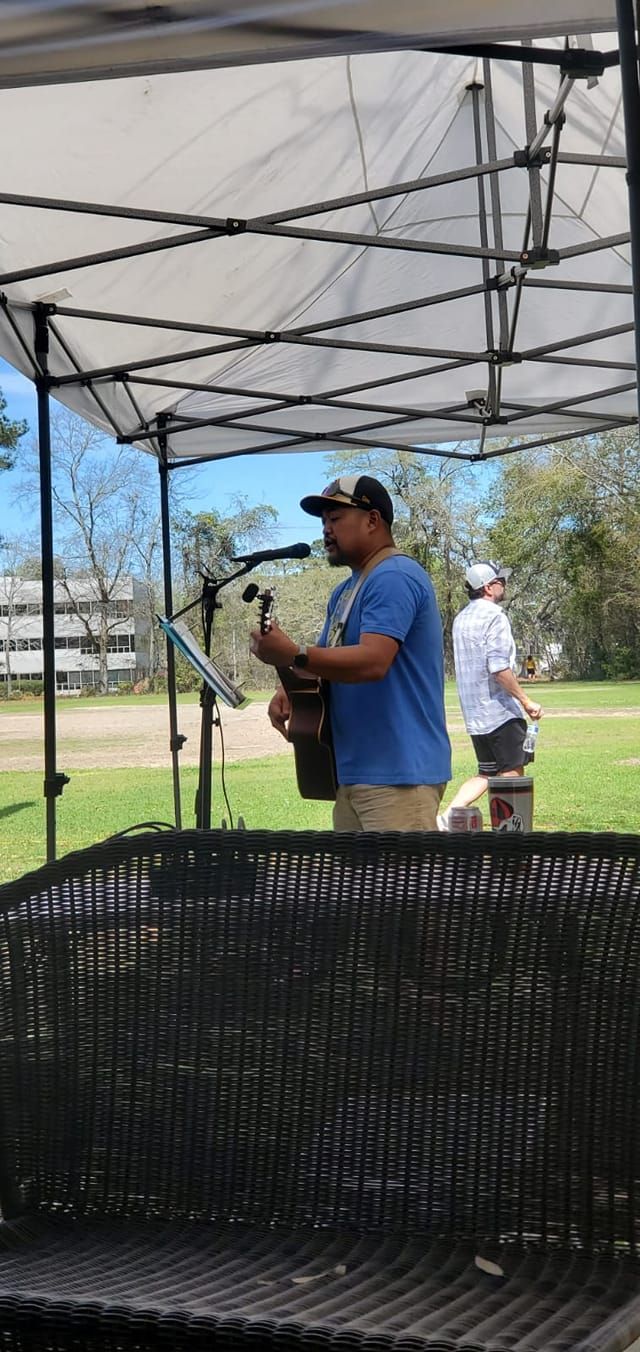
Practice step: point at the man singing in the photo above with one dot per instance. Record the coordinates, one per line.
(381, 651)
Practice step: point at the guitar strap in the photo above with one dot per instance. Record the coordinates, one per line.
(339, 624)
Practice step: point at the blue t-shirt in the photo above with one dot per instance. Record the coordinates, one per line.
(392, 731)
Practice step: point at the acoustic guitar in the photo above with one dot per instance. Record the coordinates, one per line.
(309, 726)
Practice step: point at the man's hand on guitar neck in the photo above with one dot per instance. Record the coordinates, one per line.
(368, 660)
(279, 711)
(273, 647)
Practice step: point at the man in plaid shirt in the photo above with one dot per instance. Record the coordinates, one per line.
(491, 698)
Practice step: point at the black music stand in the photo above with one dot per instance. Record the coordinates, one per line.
(215, 685)
(183, 639)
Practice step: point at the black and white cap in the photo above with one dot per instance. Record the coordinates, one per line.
(352, 490)
(483, 573)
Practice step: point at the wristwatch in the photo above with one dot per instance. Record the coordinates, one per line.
(301, 658)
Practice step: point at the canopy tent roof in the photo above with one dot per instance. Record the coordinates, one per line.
(371, 244)
(317, 250)
(42, 41)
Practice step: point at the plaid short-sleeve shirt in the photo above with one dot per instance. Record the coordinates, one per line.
(483, 644)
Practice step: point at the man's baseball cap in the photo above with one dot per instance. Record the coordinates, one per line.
(352, 490)
(482, 574)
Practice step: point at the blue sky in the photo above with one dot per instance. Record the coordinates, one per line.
(280, 480)
(277, 479)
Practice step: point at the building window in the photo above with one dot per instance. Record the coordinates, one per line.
(121, 643)
(18, 676)
(117, 677)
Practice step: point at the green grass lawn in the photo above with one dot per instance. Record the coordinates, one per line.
(558, 695)
(587, 775)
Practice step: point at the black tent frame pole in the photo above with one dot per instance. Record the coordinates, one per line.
(176, 738)
(54, 782)
(630, 79)
(209, 713)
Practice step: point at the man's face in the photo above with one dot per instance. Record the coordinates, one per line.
(345, 531)
(496, 590)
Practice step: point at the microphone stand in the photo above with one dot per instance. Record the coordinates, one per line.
(210, 715)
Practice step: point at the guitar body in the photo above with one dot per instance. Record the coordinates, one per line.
(309, 726)
(309, 723)
(310, 736)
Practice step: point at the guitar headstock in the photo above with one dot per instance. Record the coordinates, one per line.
(267, 601)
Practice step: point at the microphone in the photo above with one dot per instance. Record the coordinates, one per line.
(301, 551)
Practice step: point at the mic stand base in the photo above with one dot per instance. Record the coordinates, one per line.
(209, 719)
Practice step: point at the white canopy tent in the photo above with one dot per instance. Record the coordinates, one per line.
(316, 250)
(44, 41)
(386, 245)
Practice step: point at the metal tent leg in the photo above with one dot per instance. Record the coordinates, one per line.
(177, 739)
(53, 781)
(630, 77)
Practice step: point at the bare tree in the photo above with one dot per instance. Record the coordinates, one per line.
(101, 496)
(9, 585)
(14, 554)
(146, 557)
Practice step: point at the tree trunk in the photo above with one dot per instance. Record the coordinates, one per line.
(103, 660)
(8, 653)
(153, 647)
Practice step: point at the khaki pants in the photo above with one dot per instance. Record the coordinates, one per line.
(387, 807)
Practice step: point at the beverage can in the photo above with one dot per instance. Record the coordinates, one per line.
(464, 819)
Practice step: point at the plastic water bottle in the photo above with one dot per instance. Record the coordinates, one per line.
(529, 745)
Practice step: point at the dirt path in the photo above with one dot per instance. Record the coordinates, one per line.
(101, 738)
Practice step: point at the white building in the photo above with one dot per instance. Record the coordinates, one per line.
(77, 611)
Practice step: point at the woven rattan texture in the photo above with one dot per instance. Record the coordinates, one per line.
(368, 1060)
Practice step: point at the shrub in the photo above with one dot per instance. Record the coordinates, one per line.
(187, 681)
(20, 688)
(623, 663)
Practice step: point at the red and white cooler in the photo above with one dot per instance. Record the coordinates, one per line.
(511, 803)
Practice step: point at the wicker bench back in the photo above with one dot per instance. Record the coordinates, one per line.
(401, 1033)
